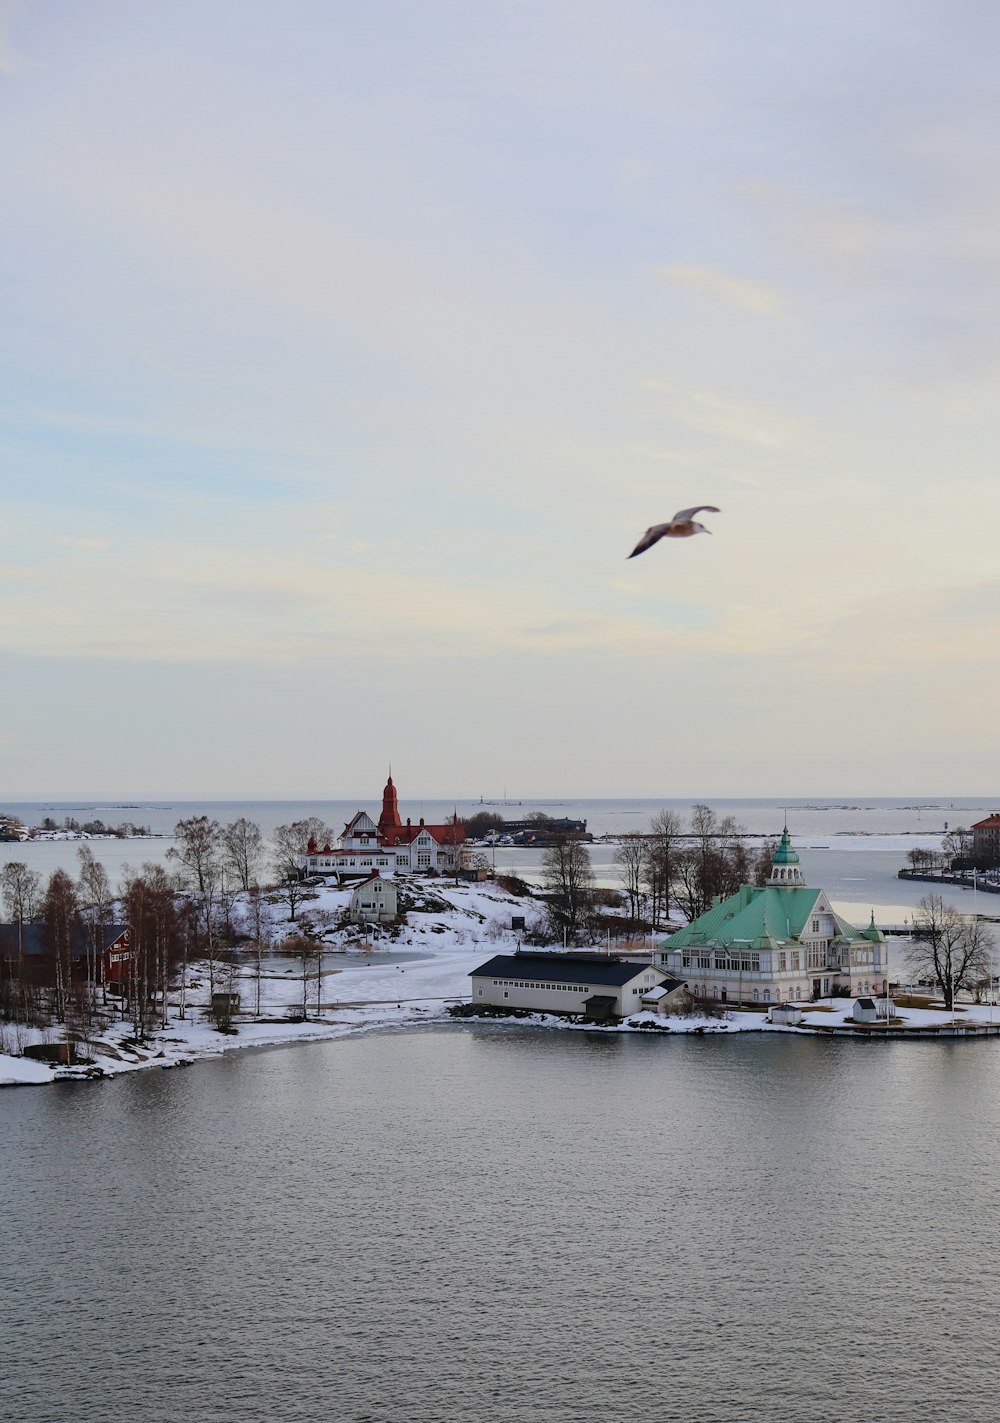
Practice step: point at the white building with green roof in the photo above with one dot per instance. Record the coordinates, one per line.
(779, 943)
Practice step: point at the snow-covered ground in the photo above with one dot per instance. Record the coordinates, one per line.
(382, 982)
(391, 982)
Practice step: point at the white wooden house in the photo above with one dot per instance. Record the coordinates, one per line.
(374, 901)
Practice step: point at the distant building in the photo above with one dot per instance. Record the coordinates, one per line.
(547, 831)
(110, 953)
(390, 847)
(374, 901)
(588, 984)
(782, 942)
(986, 841)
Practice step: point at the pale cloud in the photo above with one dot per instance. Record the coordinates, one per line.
(737, 291)
(898, 630)
(717, 415)
(636, 173)
(19, 573)
(683, 458)
(366, 546)
(84, 543)
(840, 237)
(627, 588)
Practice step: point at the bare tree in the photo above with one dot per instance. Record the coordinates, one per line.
(568, 875)
(197, 850)
(686, 885)
(261, 930)
(198, 855)
(157, 932)
(704, 830)
(304, 950)
(290, 843)
(243, 851)
(716, 864)
(21, 889)
(954, 952)
(95, 900)
(666, 830)
(60, 922)
(630, 859)
(762, 862)
(957, 844)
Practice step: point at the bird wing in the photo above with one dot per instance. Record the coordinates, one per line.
(649, 538)
(685, 515)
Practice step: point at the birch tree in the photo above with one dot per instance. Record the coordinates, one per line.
(243, 851)
(197, 851)
(21, 890)
(95, 901)
(60, 921)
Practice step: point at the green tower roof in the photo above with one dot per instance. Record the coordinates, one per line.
(873, 932)
(785, 854)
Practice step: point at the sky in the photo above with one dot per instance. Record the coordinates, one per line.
(346, 351)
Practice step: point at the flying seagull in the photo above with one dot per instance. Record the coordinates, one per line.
(681, 526)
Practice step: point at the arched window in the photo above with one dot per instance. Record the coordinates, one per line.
(767, 995)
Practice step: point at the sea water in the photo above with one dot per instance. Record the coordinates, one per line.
(486, 1223)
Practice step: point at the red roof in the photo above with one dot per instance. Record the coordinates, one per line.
(406, 834)
(361, 883)
(992, 822)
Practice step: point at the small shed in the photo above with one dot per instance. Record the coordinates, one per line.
(788, 1014)
(871, 1010)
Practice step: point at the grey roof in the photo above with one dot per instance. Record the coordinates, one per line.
(667, 985)
(563, 968)
(34, 944)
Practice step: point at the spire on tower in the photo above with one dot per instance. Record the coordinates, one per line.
(785, 867)
(389, 819)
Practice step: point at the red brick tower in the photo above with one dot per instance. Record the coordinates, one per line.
(389, 819)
